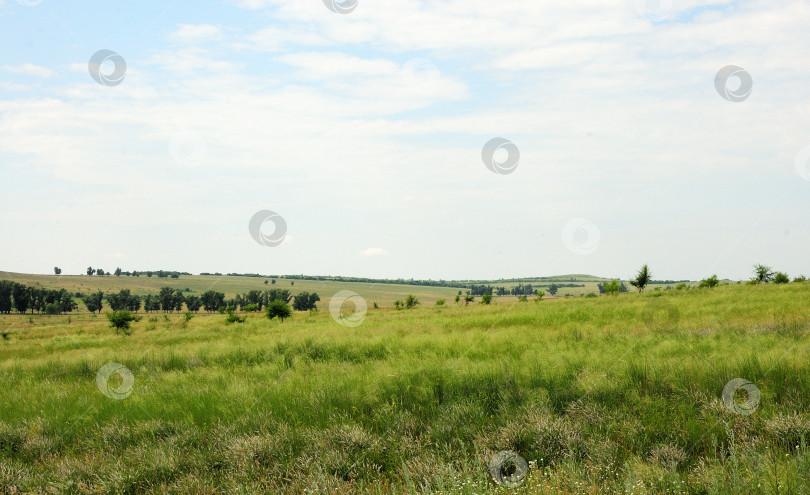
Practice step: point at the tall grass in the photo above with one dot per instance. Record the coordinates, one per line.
(598, 396)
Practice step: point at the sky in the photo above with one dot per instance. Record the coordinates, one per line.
(441, 139)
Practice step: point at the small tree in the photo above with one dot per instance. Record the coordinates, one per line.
(468, 299)
(118, 271)
(57, 270)
(232, 316)
(278, 308)
(781, 278)
(709, 282)
(398, 304)
(411, 301)
(486, 298)
(94, 302)
(762, 274)
(642, 278)
(90, 271)
(539, 294)
(611, 288)
(121, 321)
(552, 289)
(458, 298)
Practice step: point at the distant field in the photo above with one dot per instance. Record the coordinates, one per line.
(615, 394)
(383, 294)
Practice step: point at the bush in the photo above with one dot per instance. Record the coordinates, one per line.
(250, 308)
(411, 301)
(486, 299)
(121, 321)
(52, 309)
(278, 309)
(440, 302)
(682, 286)
(612, 288)
(709, 282)
(800, 278)
(781, 278)
(233, 317)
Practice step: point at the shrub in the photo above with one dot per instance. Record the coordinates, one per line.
(52, 309)
(612, 288)
(278, 309)
(398, 304)
(709, 282)
(800, 278)
(411, 301)
(121, 321)
(440, 302)
(682, 286)
(781, 278)
(540, 295)
(233, 317)
(250, 308)
(522, 298)
(486, 299)
(590, 294)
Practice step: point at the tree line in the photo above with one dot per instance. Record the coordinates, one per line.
(21, 298)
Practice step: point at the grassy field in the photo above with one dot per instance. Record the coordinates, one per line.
(618, 394)
(383, 294)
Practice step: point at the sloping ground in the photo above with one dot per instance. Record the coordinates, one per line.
(605, 395)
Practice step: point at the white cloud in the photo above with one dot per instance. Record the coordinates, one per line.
(374, 252)
(191, 33)
(30, 70)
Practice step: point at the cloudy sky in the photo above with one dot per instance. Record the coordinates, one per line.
(365, 131)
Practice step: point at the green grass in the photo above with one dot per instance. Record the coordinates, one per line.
(596, 396)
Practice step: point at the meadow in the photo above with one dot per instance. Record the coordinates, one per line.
(609, 394)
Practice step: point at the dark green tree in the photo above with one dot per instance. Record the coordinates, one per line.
(642, 278)
(278, 308)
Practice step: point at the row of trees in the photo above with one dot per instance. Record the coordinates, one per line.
(118, 272)
(21, 298)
